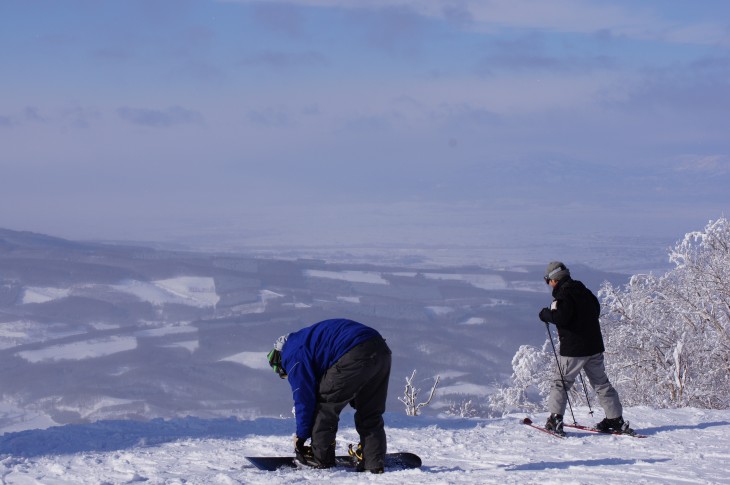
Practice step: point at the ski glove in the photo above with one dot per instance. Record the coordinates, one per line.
(298, 443)
(546, 315)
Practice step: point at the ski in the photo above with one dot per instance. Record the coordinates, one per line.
(589, 429)
(529, 423)
(592, 429)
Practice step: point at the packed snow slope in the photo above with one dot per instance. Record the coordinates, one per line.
(685, 446)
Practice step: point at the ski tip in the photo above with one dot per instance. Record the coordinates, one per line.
(527, 421)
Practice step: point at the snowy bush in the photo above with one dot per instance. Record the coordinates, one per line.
(462, 406)
(529, 382)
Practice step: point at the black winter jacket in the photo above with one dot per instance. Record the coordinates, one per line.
(575, 314)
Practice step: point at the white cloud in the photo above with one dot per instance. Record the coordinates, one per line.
(578, 16)
(713, 164)
(35, 294)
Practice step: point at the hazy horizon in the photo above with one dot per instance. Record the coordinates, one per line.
(324, 123)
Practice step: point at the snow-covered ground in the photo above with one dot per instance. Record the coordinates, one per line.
(685, 446)
(184, 290)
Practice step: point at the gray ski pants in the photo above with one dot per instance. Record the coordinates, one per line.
(596, 373)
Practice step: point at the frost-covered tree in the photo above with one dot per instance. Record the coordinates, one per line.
(410, 395)
(669, 337)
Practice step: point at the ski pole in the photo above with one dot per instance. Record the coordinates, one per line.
(560, 370)
(585, 389)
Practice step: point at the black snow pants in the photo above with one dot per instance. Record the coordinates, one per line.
(359, 378)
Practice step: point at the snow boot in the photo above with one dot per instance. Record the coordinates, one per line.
(305, 456)
(554, 424)
(356, 454)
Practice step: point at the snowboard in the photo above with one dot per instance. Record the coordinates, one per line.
(393, 461)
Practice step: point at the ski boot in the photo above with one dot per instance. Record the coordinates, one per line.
(614, 425)
(554, 424)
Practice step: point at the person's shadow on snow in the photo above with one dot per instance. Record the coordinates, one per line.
(115, 435)
(678, 427)
(561, 465)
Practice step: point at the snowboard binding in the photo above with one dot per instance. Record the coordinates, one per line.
(355, 452)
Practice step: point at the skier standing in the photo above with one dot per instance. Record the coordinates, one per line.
(331, 364)
(575, 311)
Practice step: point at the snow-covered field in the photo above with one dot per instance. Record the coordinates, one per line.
(685, 446)
(184, 290)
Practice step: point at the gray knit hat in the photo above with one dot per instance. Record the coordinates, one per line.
(556, 271)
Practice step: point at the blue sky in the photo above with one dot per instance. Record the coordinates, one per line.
(332, 121)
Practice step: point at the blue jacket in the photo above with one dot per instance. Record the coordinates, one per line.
(306, 356)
